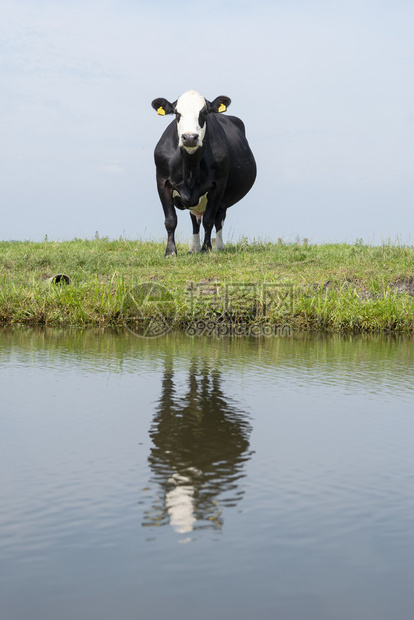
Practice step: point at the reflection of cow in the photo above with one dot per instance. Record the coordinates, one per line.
(200, 447)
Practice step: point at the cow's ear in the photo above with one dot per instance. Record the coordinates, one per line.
(162, 106)
(220, 104)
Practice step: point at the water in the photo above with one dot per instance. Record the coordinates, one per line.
(202, 478)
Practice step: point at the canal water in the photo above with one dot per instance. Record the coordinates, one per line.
(205, 478)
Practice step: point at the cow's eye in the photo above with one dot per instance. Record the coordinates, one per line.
(178, 116)
(202, 117)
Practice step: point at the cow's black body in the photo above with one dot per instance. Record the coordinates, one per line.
(223, 168)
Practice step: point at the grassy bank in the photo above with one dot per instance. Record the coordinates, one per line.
(339, 288)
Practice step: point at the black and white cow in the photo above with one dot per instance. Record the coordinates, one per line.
(204, 164)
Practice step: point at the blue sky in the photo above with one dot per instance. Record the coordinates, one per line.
(326, 90)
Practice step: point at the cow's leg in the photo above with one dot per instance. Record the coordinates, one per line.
(209, 218)
(195, 241)
(165, 194)
(219, 222)
(208, 222)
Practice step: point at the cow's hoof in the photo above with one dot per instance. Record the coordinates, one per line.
(170, 254)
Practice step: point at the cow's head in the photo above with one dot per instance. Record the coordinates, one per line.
(191, 110)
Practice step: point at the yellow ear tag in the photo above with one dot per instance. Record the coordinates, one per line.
(222, 108)
(161, 111)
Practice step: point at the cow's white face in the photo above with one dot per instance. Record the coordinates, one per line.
(190, 122)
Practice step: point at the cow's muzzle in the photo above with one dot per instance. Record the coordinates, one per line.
(190, 140)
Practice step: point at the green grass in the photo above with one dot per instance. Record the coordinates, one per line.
(336, 287)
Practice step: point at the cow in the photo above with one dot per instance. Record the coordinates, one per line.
(204, 164)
